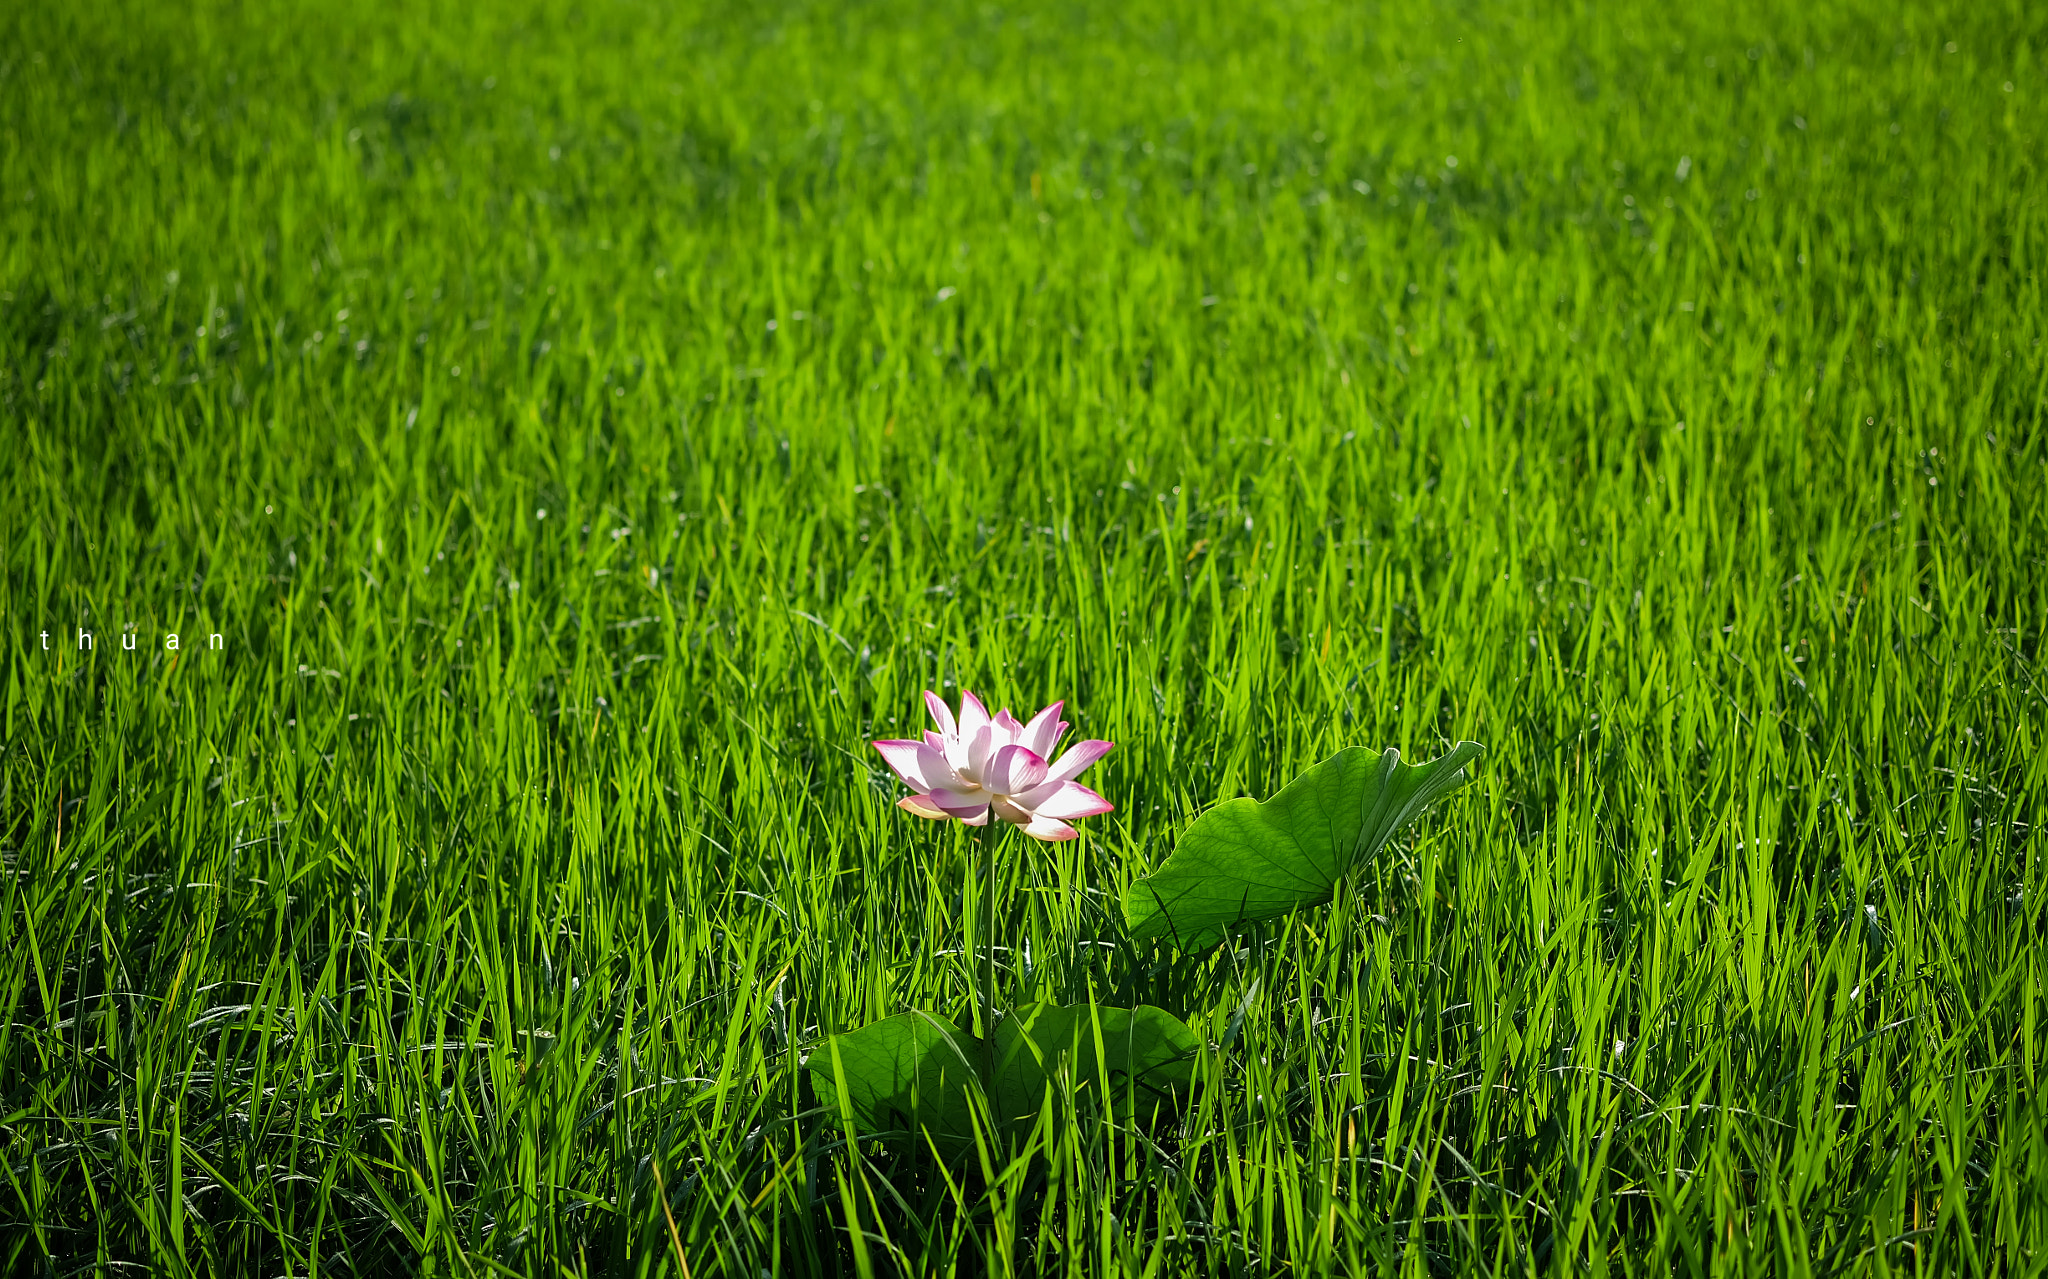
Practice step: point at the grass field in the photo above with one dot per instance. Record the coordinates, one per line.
(585, 425)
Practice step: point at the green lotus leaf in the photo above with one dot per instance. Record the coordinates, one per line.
(1244, 861)
(1090, 1046)
(900, 1074)
(915, 1072)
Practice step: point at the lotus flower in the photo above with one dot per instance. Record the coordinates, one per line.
(980, 764)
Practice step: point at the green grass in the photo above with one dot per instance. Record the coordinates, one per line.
(481, 893)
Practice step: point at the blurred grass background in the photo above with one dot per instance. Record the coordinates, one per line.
(587, 425)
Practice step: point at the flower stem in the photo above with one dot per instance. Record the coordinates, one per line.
(989, 834)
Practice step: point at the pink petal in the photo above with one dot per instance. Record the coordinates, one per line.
(941, 714)
(1079, 756)
(904, 757)
(1013, 769)
(934, 740)
(1009, 726)
(1043, 732)
(1050, 829)
(961, 804)
(922, 805)
(978, 819)
(932, 766)
(1064, 800)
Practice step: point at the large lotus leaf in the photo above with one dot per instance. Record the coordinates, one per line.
(1091, 1047)
(900, 1074)
(915, 1071)
(1244, 861)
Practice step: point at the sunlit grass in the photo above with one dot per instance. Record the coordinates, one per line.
(587, 426)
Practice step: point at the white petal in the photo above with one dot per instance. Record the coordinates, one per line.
(979, 747)
(1043, 732)
(1050, 829)
(922, 805)
(1079, 756)
(973, 715)
(955, 751)
(1007, 728)
(1064, 800)
(904, 757)
(941, 714)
